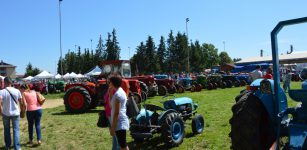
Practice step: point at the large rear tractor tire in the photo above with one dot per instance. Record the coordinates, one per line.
(198, 124)
(250, 125)
(77, 100)
(144, 96)
(172, 130)
(180, 89)
(137, 97)
(162, 90)
(144, 87)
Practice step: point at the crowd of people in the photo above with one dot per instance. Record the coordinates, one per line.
(16, 104)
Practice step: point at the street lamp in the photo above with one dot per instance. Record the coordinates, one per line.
(91, 44)
(129, 51)
(186, 28)
(60, 36)
(224, 45)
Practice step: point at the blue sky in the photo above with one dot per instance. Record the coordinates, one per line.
(29, 30)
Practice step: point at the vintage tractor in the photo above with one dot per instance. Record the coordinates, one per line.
(167, 120)
(148, 84)
(80, 97)
(40, 86)
(214, 81)
(230, 80)
(260, 115)
(202, 80)
(244, 79)
(165, 85)
(188, 84)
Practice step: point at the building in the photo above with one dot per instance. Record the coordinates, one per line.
(7, 70)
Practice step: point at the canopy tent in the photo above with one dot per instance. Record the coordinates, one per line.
(250, 68)
(66, 76)
(80, 75)
(28, 78)
(73, 75)
(94, 72)
(44, 75)
(58, 76)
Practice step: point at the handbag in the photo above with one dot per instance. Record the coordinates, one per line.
(22, 111)
(40, 98)
(102, 120)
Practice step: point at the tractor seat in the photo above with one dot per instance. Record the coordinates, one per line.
(152, 107)
(298, 95)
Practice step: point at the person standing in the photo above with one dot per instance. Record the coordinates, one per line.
(119, 119)
(268, 74)
(256, 74)
(287, 80)
(34, 113)
(9, 99)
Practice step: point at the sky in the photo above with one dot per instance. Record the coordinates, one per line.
(29, 29)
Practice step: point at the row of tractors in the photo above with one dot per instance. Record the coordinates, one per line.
(44, 87)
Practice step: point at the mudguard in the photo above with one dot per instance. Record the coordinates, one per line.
(164, 114)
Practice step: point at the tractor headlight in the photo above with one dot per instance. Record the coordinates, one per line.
(266, 87)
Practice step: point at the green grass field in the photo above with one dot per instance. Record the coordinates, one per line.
(61, 130)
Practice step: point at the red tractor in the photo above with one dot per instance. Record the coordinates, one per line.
(148, 84)
(165, 85)
(80, 97)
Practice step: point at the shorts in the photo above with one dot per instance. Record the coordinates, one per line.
(121, 138)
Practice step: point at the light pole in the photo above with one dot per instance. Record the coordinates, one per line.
(91, 44)
(60, 18)
(224, 45)
(186, 28)
(129, 51)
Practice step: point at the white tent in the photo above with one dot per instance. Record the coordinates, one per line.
(80, 75)
(28, 78)
(94, 72)
(66, 76)
(58, 76)
(73, 75)
(44, 75)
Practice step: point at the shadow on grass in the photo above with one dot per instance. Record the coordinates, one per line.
(22, 146)
(63, 113)
(155, 143)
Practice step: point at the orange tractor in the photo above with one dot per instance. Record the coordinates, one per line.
(80, 97)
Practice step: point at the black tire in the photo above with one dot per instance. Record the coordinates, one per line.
(198, 87)
(144, 87)
(144, 96)
(77, 100)
(180, 89)
(250, 125)
(228, 84)
(223, 85)
(243, 82)
(210, 86)
(198, 124)
(172, 121)
(134, 129)
(237, 83)
(173, 89)
(162, 90)
(137, 97)
(193, 88)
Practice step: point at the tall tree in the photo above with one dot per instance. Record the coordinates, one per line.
(224, 58)
(170, 52)
(196, 57)
(99, 53)
(151, 60)
(161, 54)
(112, 47)
(210, 53)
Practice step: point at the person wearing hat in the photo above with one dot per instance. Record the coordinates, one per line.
(10, 97)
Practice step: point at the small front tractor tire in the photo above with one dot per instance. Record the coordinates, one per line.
(198, 124)
(180, 89)
(173, 89)
(162, 90)
(137, 97)
(193, 88)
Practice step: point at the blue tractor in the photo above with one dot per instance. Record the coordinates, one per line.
(167, 120)
(261, 115)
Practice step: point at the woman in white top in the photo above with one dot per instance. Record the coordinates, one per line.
(119, 119)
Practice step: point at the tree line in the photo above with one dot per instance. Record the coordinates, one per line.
(176, 54)
(82, 62)
(170, 55)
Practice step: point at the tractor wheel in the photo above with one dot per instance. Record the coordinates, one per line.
(228, 83)
(193, 88)
(243, 82)
(173, 89)
(223, 85)
(180, 89)
(144, 96)
(214, 85)
(93, 104)
(137, 97)
(210, 86)
(198, 87)
(237, 83)
(77, 100)
(162, 90)
(172, 130)
(250, 125)
(198, 124)
(144, 87)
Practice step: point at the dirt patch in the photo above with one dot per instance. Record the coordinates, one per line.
(52, 103)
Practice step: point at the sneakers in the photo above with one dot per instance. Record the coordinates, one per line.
(39, 142)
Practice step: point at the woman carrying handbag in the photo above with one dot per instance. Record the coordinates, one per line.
(34, 112)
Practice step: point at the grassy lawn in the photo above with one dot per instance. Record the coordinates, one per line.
(54, 96)
(79, 132)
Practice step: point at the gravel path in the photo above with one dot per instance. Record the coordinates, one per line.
(51, 103)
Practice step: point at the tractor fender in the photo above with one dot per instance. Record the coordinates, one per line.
(90, 89)
(164, 114)
(268, 100)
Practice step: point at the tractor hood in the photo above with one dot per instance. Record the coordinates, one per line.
(172, 104)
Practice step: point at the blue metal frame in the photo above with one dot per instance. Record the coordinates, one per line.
(277, 91)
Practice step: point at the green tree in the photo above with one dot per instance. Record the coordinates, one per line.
(99, 53)
(224, 58)
(170, 52)
(161, 54)
(151, 60)
(36, 71)
(196, 57)
(210, 53)
(112, 47)
(29, 70)
(181, 53)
